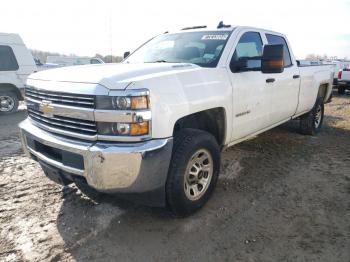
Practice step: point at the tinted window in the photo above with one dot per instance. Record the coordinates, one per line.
(8, 60)
(95, 61)
(249, 46)
(201, 48)
(276, 40)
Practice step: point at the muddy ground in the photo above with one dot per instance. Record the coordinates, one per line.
(280, 197)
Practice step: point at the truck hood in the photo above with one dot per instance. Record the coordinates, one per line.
(112, 76)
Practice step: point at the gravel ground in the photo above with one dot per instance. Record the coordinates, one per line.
(280, 197)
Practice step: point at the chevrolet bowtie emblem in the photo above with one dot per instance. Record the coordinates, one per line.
(46, 108)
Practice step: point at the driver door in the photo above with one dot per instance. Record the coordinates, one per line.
(250, 100)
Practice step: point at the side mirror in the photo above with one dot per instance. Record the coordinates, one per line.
(246, 64)
(239, 65)
(272, 59)
(126, 54)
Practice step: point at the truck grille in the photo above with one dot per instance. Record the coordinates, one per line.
(64, 125)
(84, 127)
(68, 99)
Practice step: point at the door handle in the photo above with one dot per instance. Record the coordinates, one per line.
(296, 76)
(270, 80)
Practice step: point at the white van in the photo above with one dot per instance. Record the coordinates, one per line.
(73, 60)
(16, 64)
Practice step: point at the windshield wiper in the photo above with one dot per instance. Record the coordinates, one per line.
(163, 61)
(160, 61)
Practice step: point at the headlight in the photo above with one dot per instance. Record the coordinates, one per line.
(122, 102)
(123, 129)
(123, 113)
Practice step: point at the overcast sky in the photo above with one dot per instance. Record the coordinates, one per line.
(87, 27)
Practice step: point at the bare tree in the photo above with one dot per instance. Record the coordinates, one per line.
(42, 56)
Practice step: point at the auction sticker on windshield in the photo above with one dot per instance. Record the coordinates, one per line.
(215, 37)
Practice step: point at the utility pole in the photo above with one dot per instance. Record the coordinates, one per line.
(111, 34)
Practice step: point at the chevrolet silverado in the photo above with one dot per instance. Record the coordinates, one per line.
(156, 123)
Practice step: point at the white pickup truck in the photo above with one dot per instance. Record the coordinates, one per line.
(343, 82)
(155, 124)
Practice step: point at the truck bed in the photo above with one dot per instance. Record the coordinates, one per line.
(311, 77)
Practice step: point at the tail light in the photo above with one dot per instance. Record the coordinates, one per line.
(339, 74)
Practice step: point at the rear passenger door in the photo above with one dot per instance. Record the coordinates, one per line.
(283, 92)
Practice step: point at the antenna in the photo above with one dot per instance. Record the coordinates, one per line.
(194, 27)
(222, 25)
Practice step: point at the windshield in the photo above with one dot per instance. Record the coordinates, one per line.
(202, 48)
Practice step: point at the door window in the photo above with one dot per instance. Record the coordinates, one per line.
(278, 40)
(8, 60)
(248, 52)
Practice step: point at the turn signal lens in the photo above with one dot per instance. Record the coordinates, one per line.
(137, 129)
(276, 63)
(139, 102)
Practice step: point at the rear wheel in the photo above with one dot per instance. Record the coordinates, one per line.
(311, 122)
(193, 171)
(341, 90)
(8, 102)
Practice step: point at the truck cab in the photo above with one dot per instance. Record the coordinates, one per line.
(16, 64)
(156, 123)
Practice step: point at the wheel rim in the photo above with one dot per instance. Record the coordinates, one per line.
(7, 103)
(318, 116)
(198, 174)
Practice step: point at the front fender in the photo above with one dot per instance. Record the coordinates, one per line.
(180, 94)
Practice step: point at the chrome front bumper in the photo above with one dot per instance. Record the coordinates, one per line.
(108, 167)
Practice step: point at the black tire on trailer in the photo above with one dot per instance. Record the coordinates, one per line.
(8, 102)
(193, 171)
(311, 122)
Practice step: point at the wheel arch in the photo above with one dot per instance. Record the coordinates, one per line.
(211, 120)
(11, 88)
(325, 92)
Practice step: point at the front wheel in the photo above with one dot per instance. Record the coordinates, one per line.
(311, 122)
(8, 102)
(193, 171)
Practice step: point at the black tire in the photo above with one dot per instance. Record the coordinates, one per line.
(341, 90)
(87, 190)
(310, 123)
(11, 98)
(188, 142)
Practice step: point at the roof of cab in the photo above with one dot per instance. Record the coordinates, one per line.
(229, 29)
(6, 38)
